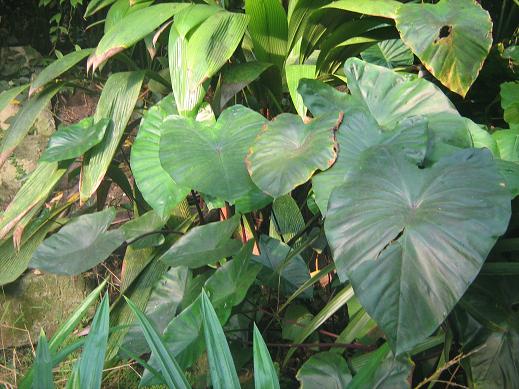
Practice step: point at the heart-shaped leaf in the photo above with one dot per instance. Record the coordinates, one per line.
(288, 152)
(210, 158)
(72, 141)
(204, 244)
(324, 370)
(452, 38)
(412, 240)
(156, 185)
(79, 245)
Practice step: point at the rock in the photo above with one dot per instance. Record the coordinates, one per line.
(37, 301)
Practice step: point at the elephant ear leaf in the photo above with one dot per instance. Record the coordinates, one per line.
(288, 152)
(412, 249)
(452, 38)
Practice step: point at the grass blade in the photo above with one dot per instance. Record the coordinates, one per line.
(221, 364)
(92, 359)
(43, 365)
(265, 376)
(117, 102)
(171, 371)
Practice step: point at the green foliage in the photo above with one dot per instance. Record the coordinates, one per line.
(302, 198)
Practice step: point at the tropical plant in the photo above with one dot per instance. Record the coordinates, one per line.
(306, 200)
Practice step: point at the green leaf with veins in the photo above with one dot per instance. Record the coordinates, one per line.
(452, 38)
(211, 158)
(74, 140)
(412, 249)
(288, 151)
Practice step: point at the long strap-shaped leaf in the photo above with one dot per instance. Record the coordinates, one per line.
(33, 191)
(265, 376)
(173, 375)
(65, 330)
(333, 306)
(195, 59)
(92, 359)
(24, 121)
(221, 364)
(43, 365)
(117, 102)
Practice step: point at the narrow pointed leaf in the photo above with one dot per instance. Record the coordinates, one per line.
(384, 8)
(43, 365)
(10, 94)
(117, 102)
(221, 364)
(452, 38)
(96, 5)
(91, 361)
(36, 189)
(268, 28)
(57, 68)
(170, 369)
(265, 375)
(131, 29)
(74, 140)
(24, 120)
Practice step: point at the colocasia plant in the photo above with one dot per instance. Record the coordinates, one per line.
(320, 194)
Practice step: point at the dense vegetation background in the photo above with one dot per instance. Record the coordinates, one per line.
(259, 193)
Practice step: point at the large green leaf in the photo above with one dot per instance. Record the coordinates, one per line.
(156, 185)
(385, 8)
(132, 29)
(452, 38)
(90, 364)
(208, 158)
(117, 102)
(171, 371)
(268, 28)
(391, 53)
(24, 120)
(35, 190)
(384, 102)
(288, 276)
(139, 231)
(204, 244)
(423, 238)
(73, 140)
(43, 365)
(265, 375)
(229, 284)
(383, 370)
(221, 364)
(195, 56)
(57, 68)
(324, 370)
(288, 152)
(79, 245)
(357, 134)
(487, 324)
(510, 102)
